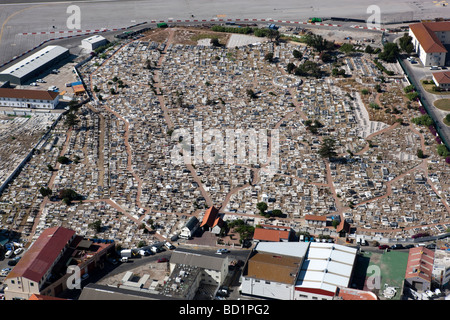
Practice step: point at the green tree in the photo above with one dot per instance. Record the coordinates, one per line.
(442, 150)
(420, 154)
(96, 225)
(45, 191)
(297, 54)
(290, 67)
(63, 160)
(346, 48)
(389, 53)
(262, 207)
(269, 57)
(71, 120)
(327, 149)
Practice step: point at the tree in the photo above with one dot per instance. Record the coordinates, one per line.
(327, 149)
(96, 225)
(368, 49)
(297, 54)
(277, 213)
(447, 118)
(406, 44)
(63, 160)
(71, 120)
(269, 57)
(45, 191)
(420, 154)
(346, 48)
(290, 67)
(251, 94)
(262, 207)
(215, 42)
(68, 195)
(50, 167)
(389, 53)
(442, 150)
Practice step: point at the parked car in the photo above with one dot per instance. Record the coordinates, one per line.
(221, 251)
(431, 246)
(409, 246)
(383, 247)
(162, 260)
(9, 254)
(18, 251)
(397, 246)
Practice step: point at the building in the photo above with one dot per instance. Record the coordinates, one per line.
(212, 221)
(316, 221)
(272, 269)
(419, 269)
(190, 228)
(32, 99)
(93, 42)
(94, 292)
(34, 65)
(326, 268)
(214, 268)
(297, 270)
(441, 267)
(42, 270)
(430, 40)
(273, 233)
(442, 80)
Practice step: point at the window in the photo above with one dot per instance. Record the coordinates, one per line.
(32, 284)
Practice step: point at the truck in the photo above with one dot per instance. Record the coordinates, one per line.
(272, 26)
(162, 25)
(314, 20)
(126, 253)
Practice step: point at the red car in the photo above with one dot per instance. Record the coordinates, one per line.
(162, 260)
(383, 247)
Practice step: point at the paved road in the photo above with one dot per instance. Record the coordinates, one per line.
(24, 16)
(418, 73)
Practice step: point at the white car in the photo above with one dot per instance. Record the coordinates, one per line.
(18, 251)
(221, 251)
(9, 254)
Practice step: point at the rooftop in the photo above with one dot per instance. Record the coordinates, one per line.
(28, 94)
(425, 34)
(35, 61)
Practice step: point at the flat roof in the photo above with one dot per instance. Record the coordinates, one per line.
(94, 39)
(35, 61)
(326, 267)
(293, 249)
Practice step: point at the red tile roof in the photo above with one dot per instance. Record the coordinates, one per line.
(262, 234)
(442, 77)
(38, 259)
(425, 34)
(315, 218)
(354, 294)
(211, 218)
(28, 94)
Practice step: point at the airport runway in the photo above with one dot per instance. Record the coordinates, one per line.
(19, 18)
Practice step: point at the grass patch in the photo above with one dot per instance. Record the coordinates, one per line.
(442, 104)
(429, 88)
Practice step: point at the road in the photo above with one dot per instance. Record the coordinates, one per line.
(27, 16)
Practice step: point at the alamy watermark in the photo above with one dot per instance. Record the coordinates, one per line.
(374, 20)
(74, 20)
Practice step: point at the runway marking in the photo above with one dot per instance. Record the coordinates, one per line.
(61, 32)
(12, 15)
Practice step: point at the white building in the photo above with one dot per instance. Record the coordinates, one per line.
(93, 42)
(33, 99)
(297, 270)
(429, 40)
(34, 65)
(327, 267)
(441, 267)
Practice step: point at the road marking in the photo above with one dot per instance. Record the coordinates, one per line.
(12, 15)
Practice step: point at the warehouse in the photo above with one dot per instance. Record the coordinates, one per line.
(32, 66)
(93, 42)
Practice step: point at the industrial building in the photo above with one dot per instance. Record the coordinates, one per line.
(43, 267)
(32, 66)
(33, 99)
(93, 42)
(430, 40)
(298, 270)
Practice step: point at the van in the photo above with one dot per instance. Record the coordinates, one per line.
(9, 254)
(434, 68)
